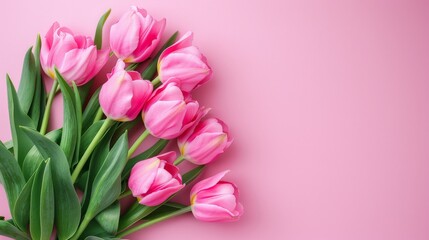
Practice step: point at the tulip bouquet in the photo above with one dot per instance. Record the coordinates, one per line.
(69, 183)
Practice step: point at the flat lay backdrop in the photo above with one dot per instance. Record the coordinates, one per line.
(328, 102)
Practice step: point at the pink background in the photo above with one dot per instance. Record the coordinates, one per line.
(327, 101)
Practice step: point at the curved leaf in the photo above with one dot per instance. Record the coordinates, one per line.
(89, 135)
(98, 39)
(109, 218)
(39, 100)
(27, 85)
(67, 207)
(70, 124)
(17, 118)
(21, 211)
(34, 158)
(46, 203)
(9, 230)
(90, 110)
(35, 224)
(78, 106)
(106, 187)
(11, 176)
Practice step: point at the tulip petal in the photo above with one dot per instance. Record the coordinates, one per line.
(208, 182)
(142, 176)
(158, 197)
(213, 213)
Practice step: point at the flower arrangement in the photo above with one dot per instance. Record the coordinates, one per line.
(68, 183)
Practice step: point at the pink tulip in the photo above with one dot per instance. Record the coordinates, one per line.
(154, 180)
(185, 64)
(136, 35)
(170, 112)
(75, 56)
(213, 200)
(123, 95)
(202, 144)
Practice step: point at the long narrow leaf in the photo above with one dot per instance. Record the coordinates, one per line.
(35, 225)
(98, 39)
(67, 207)
(70, 125)
(17, 118)
(39, 100)
(27, 85)
(11, 176)
(90, 111)
(46, 203)
(9, 230)
(107, 185)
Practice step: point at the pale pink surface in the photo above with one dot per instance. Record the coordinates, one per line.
(327, 102)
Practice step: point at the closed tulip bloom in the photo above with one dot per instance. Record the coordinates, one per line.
(154, 180)
(202, 144)
(75, 56)
(123, 95)
(213, 200)
(170, 112)
(136, 35)
(185, 63)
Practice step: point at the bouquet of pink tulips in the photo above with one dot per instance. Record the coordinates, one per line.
(68, 183)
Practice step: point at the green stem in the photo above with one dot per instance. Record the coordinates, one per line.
(47, 114)
(99, 115)
(81, 228)
(125, 194)
(179, 160)
(106, 125)
(138, 142)
(156, 81)
(153, 221)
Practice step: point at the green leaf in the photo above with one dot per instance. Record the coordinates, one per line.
(98, 158)
(9, 230)
(67, 207)
(90, 110)
(191, 175)
(70, 124)
(151, 152)
(34, 157)
(18, 118)
(11, 176)
(150, 71)
(109, 218)
(39, 100)
(9, 146)
(35, 211)
(21, 211)
(123, 127)
(98, 39)
(46, 203)
(28, 82)
(78, 132)
(106, 187)
(89, 135)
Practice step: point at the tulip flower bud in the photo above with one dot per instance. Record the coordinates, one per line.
(170, 112)
(123, 95)
(203, 143)
(75, 56)
(136, 35)
(185, 63)
(213, 200)
(154, 180)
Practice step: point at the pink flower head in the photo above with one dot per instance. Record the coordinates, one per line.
(203, 143)
(154, 180)
(75, 56)
(213, 200)
(123, 95)
(185, 63)
(136, 35)
(170, 112)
